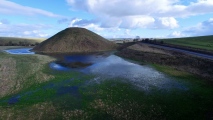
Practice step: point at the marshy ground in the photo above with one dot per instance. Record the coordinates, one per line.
(110, 88)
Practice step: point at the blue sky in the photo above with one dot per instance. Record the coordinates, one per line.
(110, 19)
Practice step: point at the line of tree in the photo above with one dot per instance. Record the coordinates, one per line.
(20, 43)
(153, 41)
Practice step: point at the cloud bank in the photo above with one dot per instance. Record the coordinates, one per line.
(23, 30)
(157, 14)
(133, 14)
(8, 7)
(201, 29)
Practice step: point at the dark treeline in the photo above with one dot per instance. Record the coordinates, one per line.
(153, 41)
(20, 43)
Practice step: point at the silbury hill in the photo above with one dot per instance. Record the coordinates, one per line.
(75, 40)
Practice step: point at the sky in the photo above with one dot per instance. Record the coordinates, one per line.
(108, 18)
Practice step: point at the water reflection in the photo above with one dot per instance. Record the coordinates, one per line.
(93, 58)
(20, 51)
(61, 89)
(79, 61)
(55, 66)
(113, 67)
(13, 99)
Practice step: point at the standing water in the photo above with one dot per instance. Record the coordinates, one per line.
(108, 66)
(20, 51)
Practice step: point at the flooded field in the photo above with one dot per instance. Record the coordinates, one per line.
(105, 86)
(108, 66)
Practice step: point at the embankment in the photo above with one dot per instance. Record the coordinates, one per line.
(188, 48)
(182, 62)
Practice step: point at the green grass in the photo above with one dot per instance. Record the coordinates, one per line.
(197, 101)
(115, 99)
(21, 71)
(183, 76)
(202, 42)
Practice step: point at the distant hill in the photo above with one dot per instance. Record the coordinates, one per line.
(201, 42)
(73, 40)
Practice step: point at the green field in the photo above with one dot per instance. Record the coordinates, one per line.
(4, 40)
(46, 94)
(201, 42)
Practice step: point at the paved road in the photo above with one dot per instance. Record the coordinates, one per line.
(210, 57)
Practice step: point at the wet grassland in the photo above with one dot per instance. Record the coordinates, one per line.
(32, 89)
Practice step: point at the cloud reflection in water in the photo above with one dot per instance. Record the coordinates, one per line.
(141, 76)
(114, 67)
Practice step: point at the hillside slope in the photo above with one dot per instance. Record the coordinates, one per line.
(200, 42)
(72, 40)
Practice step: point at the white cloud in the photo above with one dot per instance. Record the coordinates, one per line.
(4, 21)
(8, 7)
(107, 32)
(109, 22)
(130, 14)
(93, 27)
(73, 22)
(130, 22)
(166, 22)
(127, 32)
(24, 30)
(81, 23)
(176, 34)
(201, 7)
(27, 32)
(35, 33)
(85, 24)
(154, 8)
(121, 7)
(201, 29)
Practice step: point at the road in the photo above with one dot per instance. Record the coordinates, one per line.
(201, 55)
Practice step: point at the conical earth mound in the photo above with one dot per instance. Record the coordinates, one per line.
(75, 40)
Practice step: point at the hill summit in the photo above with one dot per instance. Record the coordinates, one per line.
(75, 40)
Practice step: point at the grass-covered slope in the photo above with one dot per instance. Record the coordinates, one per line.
(18, 72)
(201, 42)
(75, 40)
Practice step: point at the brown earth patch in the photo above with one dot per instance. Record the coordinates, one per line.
(146, 48)
(40, 111)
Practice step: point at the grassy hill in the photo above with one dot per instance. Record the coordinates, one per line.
(201, 42)
(16, 40)
(75, 40)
